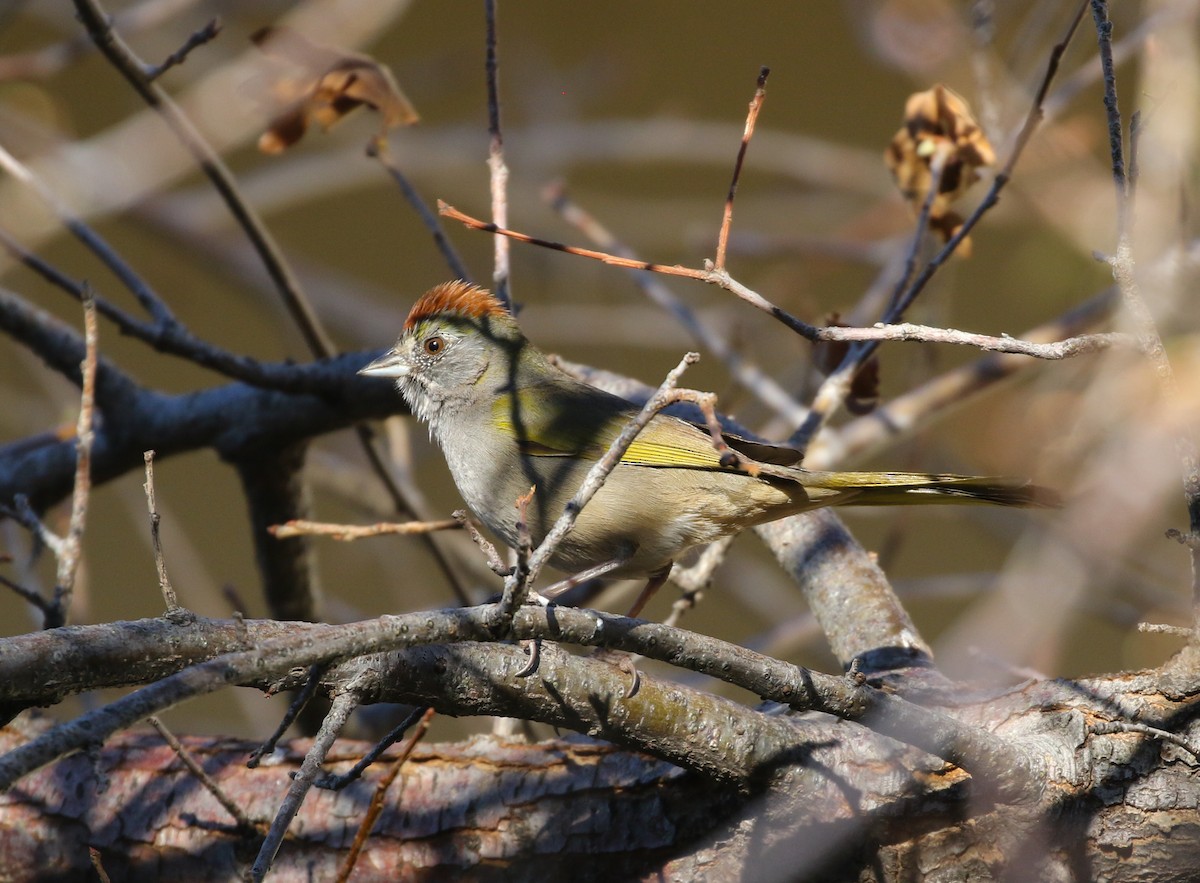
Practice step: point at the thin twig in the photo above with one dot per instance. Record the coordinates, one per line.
(343, 706)
(756, 103)
(350, 532)
(836, 387)
(700, 574)
(501, 281)
(1112, 111)
(23, 513)
(165, 333)
(298, 704)
(46, 608)
(230, 805)
(686, 602)
(179, 56)
(68, 558)
(898, 305)
(1109, 727)
(378, 149)
(711, 275)
(1059, 349)
(160, 563)
(750, 376)
(330, 782)
(518, 581)
(402, 505)
(494, 562)
(146, 296)
(377, 799)
(900, 415)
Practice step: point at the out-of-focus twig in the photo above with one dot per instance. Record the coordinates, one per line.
(498, 171)
(69, 556)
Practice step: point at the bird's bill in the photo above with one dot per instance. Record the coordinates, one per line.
(390, 364)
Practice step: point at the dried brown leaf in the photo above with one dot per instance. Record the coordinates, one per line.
(938, 123)
(323, 86)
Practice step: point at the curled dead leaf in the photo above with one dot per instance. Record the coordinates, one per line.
(322, 85)
(938, 127)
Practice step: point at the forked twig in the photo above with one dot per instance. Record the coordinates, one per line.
(753, 378)
(110, 44)
(711, 275)
(377, 799)
(335, 721)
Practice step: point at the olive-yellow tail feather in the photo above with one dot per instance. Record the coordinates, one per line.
(907, 488)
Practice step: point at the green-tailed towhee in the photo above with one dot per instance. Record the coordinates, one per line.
(507, 420)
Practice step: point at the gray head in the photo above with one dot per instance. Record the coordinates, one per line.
(454, 333)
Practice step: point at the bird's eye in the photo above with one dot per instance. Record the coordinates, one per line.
(435, 344)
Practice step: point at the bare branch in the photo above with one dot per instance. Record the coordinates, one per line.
(109, 42)
(1059, 349)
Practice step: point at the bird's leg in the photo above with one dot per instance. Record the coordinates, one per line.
(652, 585)
(562, 586)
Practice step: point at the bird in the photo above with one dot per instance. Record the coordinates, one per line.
(507, 419)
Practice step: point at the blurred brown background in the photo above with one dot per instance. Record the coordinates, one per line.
(638, 108)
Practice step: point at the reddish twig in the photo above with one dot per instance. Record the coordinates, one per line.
(756, 103)
(711, 275)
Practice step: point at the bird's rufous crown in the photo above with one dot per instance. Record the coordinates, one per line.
(458, 297)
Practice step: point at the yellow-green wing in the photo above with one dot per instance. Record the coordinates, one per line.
(569, 420)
